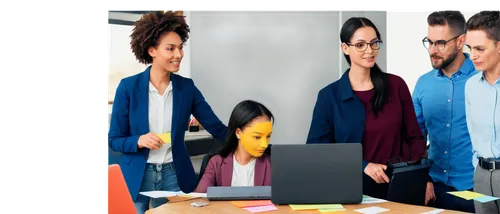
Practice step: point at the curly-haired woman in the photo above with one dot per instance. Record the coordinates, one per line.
(157, 102)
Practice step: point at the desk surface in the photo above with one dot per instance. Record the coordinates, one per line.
(227, 207)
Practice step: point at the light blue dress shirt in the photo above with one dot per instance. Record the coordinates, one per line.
(483, 116)
(439, 103)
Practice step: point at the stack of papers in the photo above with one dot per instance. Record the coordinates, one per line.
(320, 207)
(255, 206)
(164, 194)
(468, 195)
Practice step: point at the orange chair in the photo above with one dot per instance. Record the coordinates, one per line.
(119, 199)
(105, 190)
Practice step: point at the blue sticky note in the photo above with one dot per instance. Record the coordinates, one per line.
(486, 198)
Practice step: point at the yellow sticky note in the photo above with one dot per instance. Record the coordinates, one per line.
(165, 137)
(467, 195)
(315, 206)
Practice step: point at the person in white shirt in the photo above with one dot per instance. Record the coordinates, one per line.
(242, 162)
(151, 111)
(482, 105)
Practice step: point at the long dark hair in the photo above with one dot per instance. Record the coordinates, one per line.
(379, 78)
(242, 114)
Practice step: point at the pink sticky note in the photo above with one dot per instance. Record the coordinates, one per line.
(252, 203)
(261, 208)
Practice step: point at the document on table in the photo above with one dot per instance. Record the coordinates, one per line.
(436, 211)
(372, 210)
(161, 194)
(194, 195)
(164, 194)
(370, 200)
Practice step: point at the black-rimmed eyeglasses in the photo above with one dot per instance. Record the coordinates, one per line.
(362, 46)
(439, 44)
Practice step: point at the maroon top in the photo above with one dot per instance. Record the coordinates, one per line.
(395, 125)
(219, 172)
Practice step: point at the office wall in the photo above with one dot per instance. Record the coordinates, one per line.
(122, 62)
(406, 56)
(248, 68)
(281, 59)
(106, 60)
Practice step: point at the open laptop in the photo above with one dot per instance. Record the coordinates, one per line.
(317, 174)
(403, 174)
(239, 193)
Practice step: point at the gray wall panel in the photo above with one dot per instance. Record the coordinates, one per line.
(281, 59)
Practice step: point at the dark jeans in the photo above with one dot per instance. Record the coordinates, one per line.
(448, 201)
(371, 188)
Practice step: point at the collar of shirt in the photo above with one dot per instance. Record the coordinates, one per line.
(483, 79)
(153, 89)
(466, 67)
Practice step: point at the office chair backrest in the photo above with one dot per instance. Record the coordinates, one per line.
(119, 199)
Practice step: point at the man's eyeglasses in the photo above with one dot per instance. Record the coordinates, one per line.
(439, 44)
(362, 46)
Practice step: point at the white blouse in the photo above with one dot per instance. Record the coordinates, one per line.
(243, 175)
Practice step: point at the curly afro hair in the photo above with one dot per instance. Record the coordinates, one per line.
(150, 27)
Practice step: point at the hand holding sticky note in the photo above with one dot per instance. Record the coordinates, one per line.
(165, 137)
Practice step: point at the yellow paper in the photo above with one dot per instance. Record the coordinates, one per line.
(315, 206)
(467, 195)
(165, 137)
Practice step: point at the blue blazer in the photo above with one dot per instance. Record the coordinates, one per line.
(338, 116)
(129, 120)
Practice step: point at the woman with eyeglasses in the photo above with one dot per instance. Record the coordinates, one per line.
(370, 107)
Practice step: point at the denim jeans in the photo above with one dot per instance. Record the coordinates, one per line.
(157, 177)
